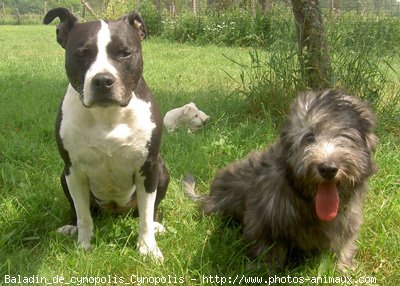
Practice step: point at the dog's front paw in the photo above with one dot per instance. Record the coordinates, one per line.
(345, 268)
(84, 237)
(68, 230)
(150, 250)
(85, 245)
(159, 228)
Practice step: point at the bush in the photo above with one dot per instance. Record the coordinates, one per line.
(360, 53)
(152, 18)
(231, 28)
(147, 10)
(357, 32)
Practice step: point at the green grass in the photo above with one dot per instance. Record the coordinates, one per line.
(33, 206)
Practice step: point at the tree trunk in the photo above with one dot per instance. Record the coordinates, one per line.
(334, 9)
(253, 6)
(172, 8)
(377, 6)
(194, 7)
(158, 6)
(266, 6)
(18, 17)
(313, 53)
(358, 7)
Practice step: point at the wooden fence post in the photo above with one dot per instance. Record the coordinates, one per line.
(4, 11)
(18, 17)
(83, 9)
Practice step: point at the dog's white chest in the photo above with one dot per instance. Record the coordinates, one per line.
(108, 145)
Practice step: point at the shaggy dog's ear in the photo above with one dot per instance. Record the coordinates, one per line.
(67, 21)
(371, 140)
(368, 122)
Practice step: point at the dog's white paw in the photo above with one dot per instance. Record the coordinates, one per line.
(84, 237)
(159, 228)
(68, 230)
(85, 245)
(150, 250)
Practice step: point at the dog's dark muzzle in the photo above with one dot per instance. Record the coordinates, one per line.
(104, 88)
(103, 83)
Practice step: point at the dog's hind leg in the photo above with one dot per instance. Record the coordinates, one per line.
(69, 229)
(146, 190)
(163, 181)
(261, 247)
(228, 193)
(146, 243)
(273, 255)
(232, 185)
(162, 186)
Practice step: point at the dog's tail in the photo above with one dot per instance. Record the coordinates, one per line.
(189, 188)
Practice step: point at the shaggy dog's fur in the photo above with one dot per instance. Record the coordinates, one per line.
(305, 191)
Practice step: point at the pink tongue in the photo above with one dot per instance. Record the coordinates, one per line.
(327, 201)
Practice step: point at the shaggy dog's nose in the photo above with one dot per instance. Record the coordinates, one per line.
(327, 171)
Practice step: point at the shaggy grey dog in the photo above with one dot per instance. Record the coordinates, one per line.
(305, 191)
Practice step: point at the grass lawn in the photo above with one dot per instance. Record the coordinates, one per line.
(33, 206)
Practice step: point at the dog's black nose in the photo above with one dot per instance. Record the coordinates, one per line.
(327, 171)
(103, 82)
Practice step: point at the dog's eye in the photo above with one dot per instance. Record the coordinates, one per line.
(348, 137)
(308, 138)
(124, 53)
(82, 52)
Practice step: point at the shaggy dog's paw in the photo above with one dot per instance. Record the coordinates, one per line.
(345, 268)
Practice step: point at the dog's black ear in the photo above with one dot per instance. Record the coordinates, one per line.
(67, 21)
(137, 22)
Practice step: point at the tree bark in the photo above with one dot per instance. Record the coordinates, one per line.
(358, 7)
(158, 6)
(253, 7)
(334, 7)
(194, 7)
(312, 50)
(378, 6)
(266, 6)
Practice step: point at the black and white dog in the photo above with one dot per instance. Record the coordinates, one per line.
(109, 127)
